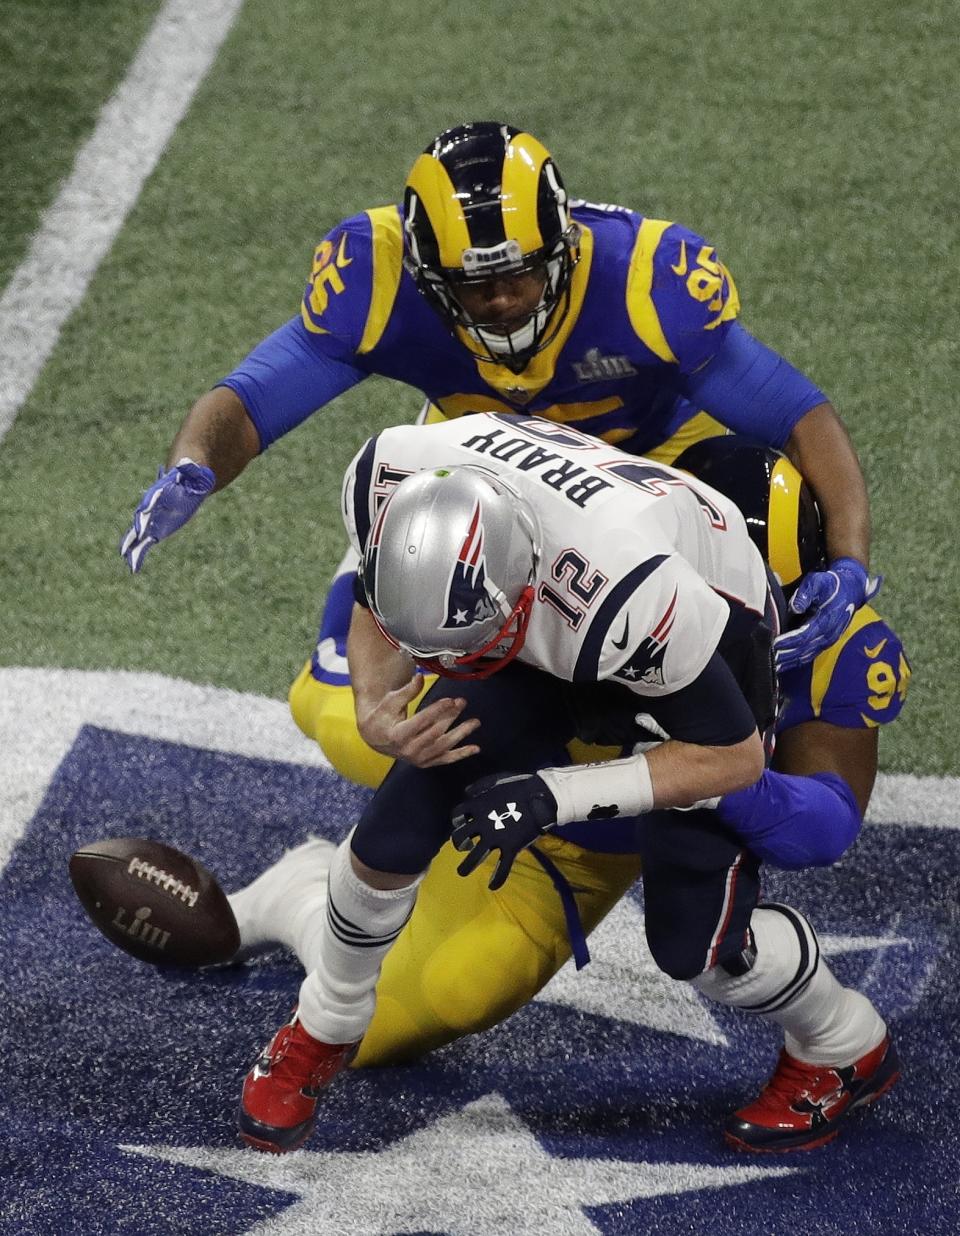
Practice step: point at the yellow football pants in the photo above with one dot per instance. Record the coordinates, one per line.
(468, 957)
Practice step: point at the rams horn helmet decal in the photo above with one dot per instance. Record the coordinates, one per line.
(483, 200)
(781, 513)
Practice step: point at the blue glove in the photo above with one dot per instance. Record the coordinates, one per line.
(833, 596)
(166, 506)
(505, 813)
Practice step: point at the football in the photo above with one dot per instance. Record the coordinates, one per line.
(154, 902)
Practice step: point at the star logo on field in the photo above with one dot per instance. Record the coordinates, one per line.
(623, 982)
(478, 1171)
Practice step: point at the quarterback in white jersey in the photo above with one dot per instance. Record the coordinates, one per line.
(640, 567)
(562, 590)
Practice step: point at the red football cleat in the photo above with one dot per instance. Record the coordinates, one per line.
(279, 1100)
(803, 1105)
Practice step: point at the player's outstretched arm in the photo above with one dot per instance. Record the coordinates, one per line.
(217, 432)
(215, 443)
(820, 447)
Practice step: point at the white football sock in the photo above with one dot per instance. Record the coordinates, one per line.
(348, 943)
(277, 905)
(791, 985)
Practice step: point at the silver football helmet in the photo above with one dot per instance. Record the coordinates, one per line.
(449, 568)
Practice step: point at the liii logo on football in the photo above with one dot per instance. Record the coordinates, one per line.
(138, 928)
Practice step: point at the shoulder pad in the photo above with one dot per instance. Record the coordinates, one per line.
(340, 291)
(664, 635)
(859, 682)
(679, 295)
(581, 208)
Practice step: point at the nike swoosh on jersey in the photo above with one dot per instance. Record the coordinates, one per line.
(622, 643)
(681, 267)
(875, 650)
(342, 259)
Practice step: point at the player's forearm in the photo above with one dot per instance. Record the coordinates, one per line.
(673, 774)
(218, 433)
(819, 747)
(376, 667)
(683, 773)
(821, 448)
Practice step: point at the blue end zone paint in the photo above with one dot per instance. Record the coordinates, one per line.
(107, 1052)
(102, 1051)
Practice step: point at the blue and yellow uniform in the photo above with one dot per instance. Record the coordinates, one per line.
(650, 340)
(860, 681)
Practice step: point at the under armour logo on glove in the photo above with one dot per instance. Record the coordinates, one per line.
(833, 596)
(511, 813)
(505, 813)
(166, 506)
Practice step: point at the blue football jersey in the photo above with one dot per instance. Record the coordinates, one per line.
(650, 308)
(649, 302)
(858, 682)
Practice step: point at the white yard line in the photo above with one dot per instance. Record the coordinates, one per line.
(77, 231)
(42, 710)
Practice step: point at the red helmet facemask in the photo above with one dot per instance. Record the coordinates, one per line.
(477, 664)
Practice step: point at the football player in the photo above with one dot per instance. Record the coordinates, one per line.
(561, 589)
(832, 706)
(488, 289)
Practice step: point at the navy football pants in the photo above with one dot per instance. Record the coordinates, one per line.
(700, 886)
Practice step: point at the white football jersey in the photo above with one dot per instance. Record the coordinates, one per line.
(641, 565)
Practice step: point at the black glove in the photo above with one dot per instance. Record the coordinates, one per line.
(506, 813)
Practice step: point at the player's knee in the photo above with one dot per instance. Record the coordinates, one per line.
(682, 969)
(678, 958)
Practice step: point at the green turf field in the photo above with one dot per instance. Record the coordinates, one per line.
(815, 146)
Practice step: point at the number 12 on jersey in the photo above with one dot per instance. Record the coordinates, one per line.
(581, 587)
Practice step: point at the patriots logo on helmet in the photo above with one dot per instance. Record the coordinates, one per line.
(468, 601)
(646, 661)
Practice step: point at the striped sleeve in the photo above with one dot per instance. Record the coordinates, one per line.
(355, 504)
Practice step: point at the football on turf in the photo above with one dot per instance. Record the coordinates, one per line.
(155, 902)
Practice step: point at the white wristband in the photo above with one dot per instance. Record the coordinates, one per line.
(600, 791)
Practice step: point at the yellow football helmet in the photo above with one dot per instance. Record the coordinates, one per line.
(484, 201)
(781, 513)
